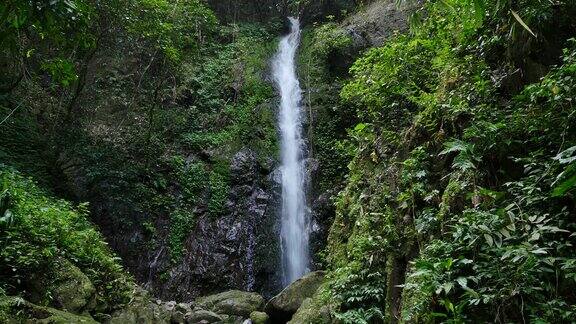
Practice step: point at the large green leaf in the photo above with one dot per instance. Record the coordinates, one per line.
(566, 185)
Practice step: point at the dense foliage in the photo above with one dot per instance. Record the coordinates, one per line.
(326, 116)
(462, 180)
(37, 230)
(134, 105)
(458, 202)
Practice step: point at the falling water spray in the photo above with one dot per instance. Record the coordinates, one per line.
(295, 212)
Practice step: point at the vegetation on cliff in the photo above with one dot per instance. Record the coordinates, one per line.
(40, 236)
(136, 107)
(459, 203)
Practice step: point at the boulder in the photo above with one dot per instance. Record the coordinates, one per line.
(259, 318)
(178, 311)
(169, 306)
(20, 309)
(142, 314)
(72, 290)
(202, 316)
(178, 317)
(69, 288)
(378, 21)
(286, 303)
(233, 319)
(184, 307)
(311, 312)
(143, 310)
(233, 302)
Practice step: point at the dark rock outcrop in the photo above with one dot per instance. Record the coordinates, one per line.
(237, 250)
(379, 21)
(322, 216)
(369, 27)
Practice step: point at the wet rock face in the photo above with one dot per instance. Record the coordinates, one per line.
(237, 250)
(323, 213)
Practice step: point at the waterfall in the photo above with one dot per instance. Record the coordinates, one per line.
(295, 214)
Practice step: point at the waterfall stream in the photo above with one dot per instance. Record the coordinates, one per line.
(295, 214)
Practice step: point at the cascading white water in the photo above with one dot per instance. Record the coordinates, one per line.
(295, 215)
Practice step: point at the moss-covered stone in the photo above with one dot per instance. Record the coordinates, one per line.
(202, 315)
(233, 302)
(141, 310)
(18, 310)
(259, 318)
(312, 311)
(287, 302)
(64, 287)
(72, 290)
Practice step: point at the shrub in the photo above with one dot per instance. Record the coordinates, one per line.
(35, 230)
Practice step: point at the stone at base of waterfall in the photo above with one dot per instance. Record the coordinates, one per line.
(286, 303)
(143, 309)
(202, 316)
(311, 312)
(259, 318)
(233, 302)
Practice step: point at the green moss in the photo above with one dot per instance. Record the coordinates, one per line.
(181, 224)
(20, 310)
(219, 191)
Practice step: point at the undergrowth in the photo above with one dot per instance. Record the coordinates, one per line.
(460, 198)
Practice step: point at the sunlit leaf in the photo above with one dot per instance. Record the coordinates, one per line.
(522, 22)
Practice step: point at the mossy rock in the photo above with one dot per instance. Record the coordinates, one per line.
(313, 312)
(72, 290)
(18, 310)
(259, 318)
(287, 302)
(233, 302)
(69, 289)
(142, 309)
(202, 315)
